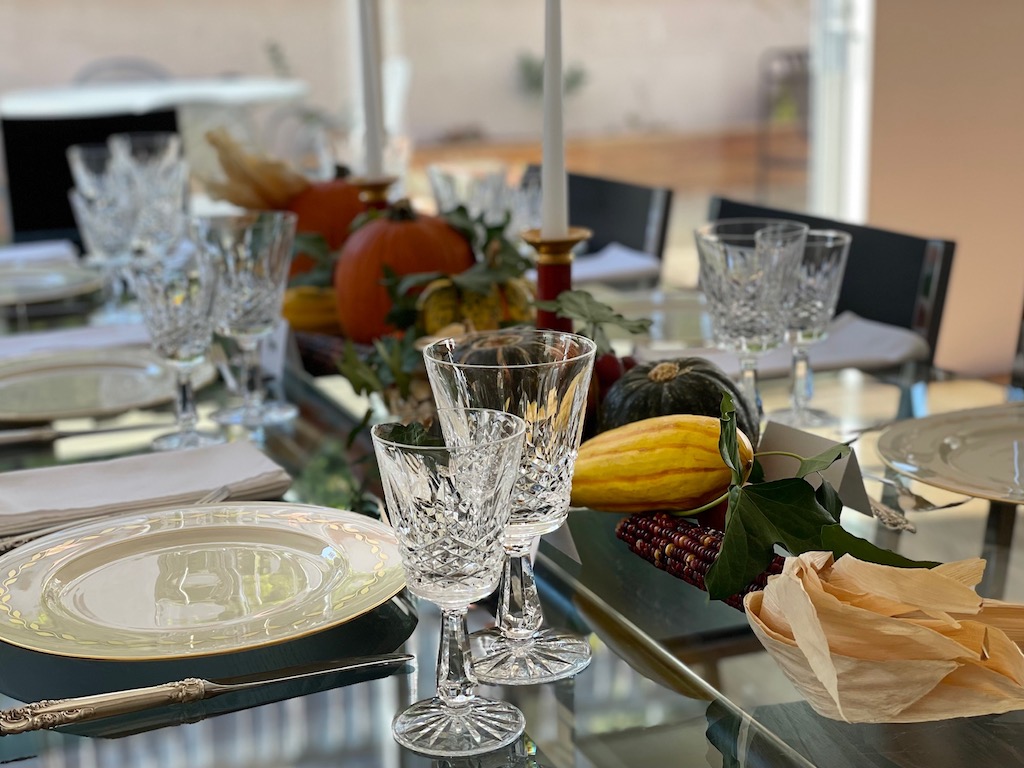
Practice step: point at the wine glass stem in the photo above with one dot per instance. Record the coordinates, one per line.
(252, 391)
(185, 402)
(455, 680)
(803, 379)
(114, 292)
(519, 611)
(748, 382)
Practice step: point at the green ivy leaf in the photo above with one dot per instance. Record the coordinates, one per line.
(413, 434)
(477, 279)
(360, 374)
(829, 499)
(841, 542)
(783, 512)
(582, 306)
(823, 460)
(728, 442)
(315, 246)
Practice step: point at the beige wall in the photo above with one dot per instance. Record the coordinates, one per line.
(683, 65)
(947, 159)
(688, 65)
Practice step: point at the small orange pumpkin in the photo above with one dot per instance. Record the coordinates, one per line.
(326, 208)
(406, 242)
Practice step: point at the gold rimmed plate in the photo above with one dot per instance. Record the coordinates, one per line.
(978, 452)
(92, 382)
(36, 284)
(221, 589)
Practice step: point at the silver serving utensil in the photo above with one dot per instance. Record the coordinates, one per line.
(7, 543)
(53, 714)
(49, 434)
(913, 502)
(893, 519)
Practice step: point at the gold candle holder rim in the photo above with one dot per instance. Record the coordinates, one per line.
(373, 189)
(555, 250)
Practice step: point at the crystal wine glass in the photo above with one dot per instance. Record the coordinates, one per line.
(544, 377)
(812, 305)
(253, 253)
(449, 503)
(746, 269)
(176, 295)
(159, 175)
(105, 209)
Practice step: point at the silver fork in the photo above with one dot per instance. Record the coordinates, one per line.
(7, 543)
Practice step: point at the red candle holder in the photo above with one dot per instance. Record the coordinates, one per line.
(554, 271)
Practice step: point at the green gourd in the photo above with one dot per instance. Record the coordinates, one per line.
(691, 385)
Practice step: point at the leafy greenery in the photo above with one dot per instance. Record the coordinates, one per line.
(788, 512)
(582, 306)
(531, 75)
(315, 246)
(413, 434)
(497, 261)
(390, 362)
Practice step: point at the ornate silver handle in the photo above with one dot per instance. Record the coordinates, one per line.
(55, 713)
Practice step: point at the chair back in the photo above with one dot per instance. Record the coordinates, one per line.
(891, 278)
(633, 215)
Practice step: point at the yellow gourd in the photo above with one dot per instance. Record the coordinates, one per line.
(308, 308)
(663, 463)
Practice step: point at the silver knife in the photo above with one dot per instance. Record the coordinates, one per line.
(49, 434)
(54, 714)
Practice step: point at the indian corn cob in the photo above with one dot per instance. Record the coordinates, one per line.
(683, 548)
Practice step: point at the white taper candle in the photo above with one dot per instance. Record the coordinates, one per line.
(373, 112)
(555, 215)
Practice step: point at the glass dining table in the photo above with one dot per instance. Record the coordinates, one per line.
(675, 679)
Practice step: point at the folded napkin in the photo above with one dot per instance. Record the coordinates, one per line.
(42, 253)
(35, 498)
(852, 342)
(91, 337)
(869, 643)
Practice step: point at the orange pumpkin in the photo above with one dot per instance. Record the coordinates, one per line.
(326, 208)
(406, 242)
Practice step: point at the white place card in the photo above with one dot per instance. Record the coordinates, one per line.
(844, 475)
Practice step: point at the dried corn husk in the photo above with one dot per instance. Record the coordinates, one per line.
(869, 643)
(252, 181)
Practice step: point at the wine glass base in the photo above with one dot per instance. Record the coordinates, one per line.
(808, 418)
(264, 415)
(178, 441)
(430, 727)
(542, 658)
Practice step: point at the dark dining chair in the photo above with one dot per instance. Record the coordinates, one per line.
(633, 215)
(891, 278)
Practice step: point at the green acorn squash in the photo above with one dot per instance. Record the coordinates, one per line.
(691, 385)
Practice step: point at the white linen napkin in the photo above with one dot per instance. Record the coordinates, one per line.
(852, 342)
(39, 254)
(64, 339)
(36, 498)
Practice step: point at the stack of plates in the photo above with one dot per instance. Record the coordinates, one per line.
(209, 591)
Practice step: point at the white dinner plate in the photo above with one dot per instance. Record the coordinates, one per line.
(978, 452)
(195, 581)
(34, 285)
(93, 382)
